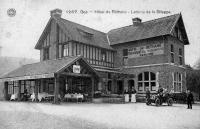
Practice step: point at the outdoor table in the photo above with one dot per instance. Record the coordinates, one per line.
(42, 96)
(67, 96)
(49, 97)
(74, 96)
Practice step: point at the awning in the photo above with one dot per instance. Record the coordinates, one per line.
(28, 77)
(43, 69)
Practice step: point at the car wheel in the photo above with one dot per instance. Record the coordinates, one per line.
(157, 102)
(170, 102)
(148, 102)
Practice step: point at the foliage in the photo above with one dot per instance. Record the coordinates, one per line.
(193, 80)
(179, 97)
(197, 64)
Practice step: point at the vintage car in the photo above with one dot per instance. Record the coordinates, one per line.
(160, 98)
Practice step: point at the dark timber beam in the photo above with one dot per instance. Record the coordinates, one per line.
(76, 74)
(6, 91)
(36, 89)
(56, 89)
(92, 92)
(19, 90)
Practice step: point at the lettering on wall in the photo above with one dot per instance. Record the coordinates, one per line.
(147, 50)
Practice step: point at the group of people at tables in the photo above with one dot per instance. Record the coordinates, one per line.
(48, 97)
(130, 96)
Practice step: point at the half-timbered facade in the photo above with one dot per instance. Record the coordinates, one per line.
(76, 58)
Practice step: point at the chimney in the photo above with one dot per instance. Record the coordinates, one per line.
(56, 13)
(136, 21)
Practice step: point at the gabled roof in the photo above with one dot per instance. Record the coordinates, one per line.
(97, 38)
(41, 69)
(80, 33)
(149, 29)
(157, 27)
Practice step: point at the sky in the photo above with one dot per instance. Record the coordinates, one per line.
(20, 33)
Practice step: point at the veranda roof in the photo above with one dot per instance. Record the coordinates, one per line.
(44, 69)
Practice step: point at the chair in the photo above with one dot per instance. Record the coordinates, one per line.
(49, 97)
(86, 98)
(75, 96)
(67, 96)
(42, 96)
(13, 97)
(79, 96)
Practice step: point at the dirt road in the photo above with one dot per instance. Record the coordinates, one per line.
(21, 115)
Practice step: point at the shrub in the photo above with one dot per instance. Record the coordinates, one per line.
(179, 97)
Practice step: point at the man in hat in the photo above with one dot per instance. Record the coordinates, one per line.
(147, 94)
(189, 99)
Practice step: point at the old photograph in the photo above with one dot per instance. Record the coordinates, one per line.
(108, 64)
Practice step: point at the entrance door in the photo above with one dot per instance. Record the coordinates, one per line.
(120, 87)
(131, 85)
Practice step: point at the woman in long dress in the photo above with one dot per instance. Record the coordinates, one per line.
(133, 95)
(126, 95)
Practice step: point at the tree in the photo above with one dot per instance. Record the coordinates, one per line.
(197, 64)
(193, 79)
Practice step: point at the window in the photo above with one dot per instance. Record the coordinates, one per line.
(66, 50)
(32, 85)
(16, 87)
(38, 84)
(13, 87)
(172, 53)
(180, 56)
(46, 53)
(27, 86)
(78, 49)
(125, 56)
(10, 87)
(125, 52)
(60, 51)
(51, 88)
(91, 56)
(85, 51)
(88, 52)
(63, 50)
(146, 80)
(22, 86)
(177, 82)
(103, 55)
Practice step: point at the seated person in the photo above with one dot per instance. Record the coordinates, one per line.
(13, 97)
(147, 94)
(33, 98)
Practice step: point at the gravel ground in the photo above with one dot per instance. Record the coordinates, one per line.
(23, 115)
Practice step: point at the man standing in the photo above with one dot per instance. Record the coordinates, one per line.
(147, 94)
(189, 99)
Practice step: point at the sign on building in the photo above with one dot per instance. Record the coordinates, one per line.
(148, 50)
(76, 68)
